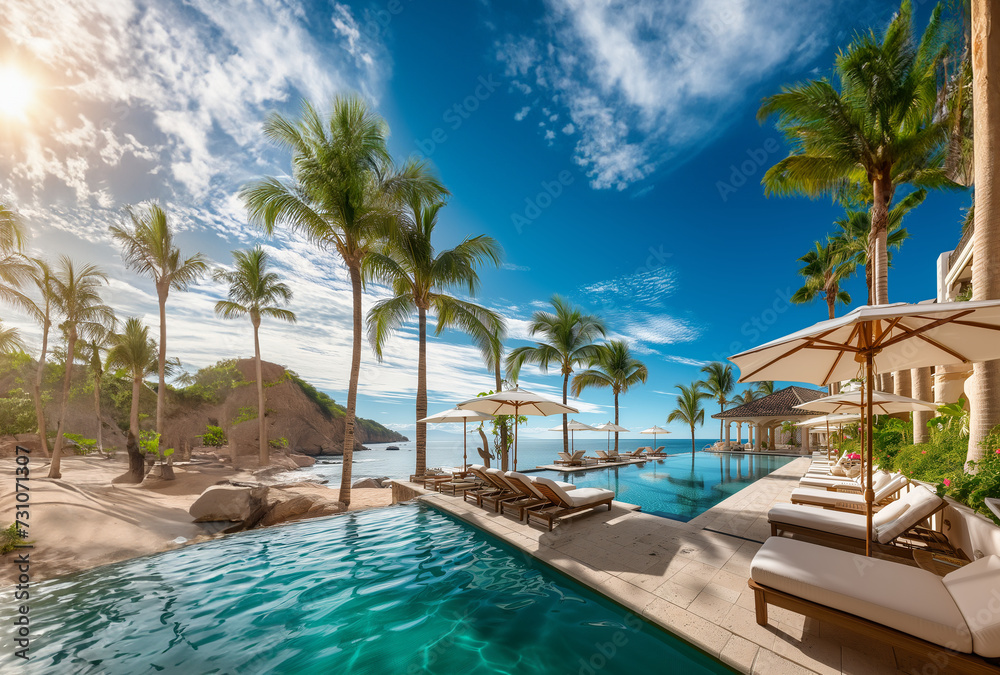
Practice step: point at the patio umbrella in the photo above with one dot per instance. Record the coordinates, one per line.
(574, 426)
(883, 403)
(463, 416)
(610, 426)
(515, 402)
(838, 420)
(654, 430)
(880, 338)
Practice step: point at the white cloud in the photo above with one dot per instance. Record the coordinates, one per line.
(514, 268)
(568, 129)
(522, 113)
(642, 80)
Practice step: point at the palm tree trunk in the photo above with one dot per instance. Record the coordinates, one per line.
(831, 303)
(616, 423)
(565, 416)
(261, 408)
(422, 393)
(39, 376)
(97, 412)
(692, 442)
(161, 390)
(722, 422)
(136, 462)
(882, 191)
(503, 427)
(54, 469)
(354, 269)
(984, 396)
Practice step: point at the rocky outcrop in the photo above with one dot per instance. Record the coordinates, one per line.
(251, 506)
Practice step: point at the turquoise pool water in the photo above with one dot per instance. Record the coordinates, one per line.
(395, 591)
(679, 487)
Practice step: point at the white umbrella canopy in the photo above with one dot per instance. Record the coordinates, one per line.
(829, 419)
(883, 403)
(610, 427)
(456, 415)
(654, 430)
(516, 401)
(880, 338)
(573, 427)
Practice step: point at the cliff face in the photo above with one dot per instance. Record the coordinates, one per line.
(309, 421)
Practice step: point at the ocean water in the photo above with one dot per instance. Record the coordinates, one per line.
(379, 462)
(401, 590)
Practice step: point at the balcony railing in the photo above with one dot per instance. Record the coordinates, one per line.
(966, 240)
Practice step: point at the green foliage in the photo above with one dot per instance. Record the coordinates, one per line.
(325, 403)
(278, 443)
(149, 444)
(213, 383)
(17, 413)
(982, 481)
(888, 436)
(952, 415)
(496, 424)
(245, 414)
(10, 537)
(84, 446)
(213, 437)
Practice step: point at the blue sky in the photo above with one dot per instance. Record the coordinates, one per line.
(611, 148)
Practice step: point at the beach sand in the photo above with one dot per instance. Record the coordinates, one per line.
(82, 520)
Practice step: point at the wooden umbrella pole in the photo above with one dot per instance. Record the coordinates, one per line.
(869, 493)
(465, 446)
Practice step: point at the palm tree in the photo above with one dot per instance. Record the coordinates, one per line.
(77, 297)
(689, 408)
(569, 341)
(94, 347)
(420, 279)
(10, 340)
(823, 271)
(15, 268)
(148, 248)
(852, 240)
(612, 366)
(133, 350)
(876, 129)
(255, 292)
(719, 384)
(765, 388)
(345, 196)
(41, 311)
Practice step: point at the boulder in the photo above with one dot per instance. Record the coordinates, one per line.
(302, 460)
(291, 503)
(227, 502)
(365, 483)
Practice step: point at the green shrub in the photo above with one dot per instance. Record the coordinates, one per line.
(149, 444)
(245, 414)
(84, 446)
(213, 437)
(10, 537)
(212, 383)
(17, 413)
(278, 443)
(983, 481)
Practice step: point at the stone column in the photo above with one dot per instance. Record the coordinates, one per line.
(949, 382)
(920, 379)
(729, 425)
(805, 441)
(739, 433)
(756, 438)
(901, 383)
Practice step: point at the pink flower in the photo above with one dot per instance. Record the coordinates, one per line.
(924, 452)
(947, 482)
(998, 451)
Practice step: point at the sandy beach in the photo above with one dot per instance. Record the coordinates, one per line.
(82, 520)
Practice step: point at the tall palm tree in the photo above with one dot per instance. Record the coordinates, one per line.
(134, 351)
(852, 241)
(420, 279)
(41, 310)
(612, 366)
(77, 298)
(719, 384)
(345, 196)
(94, 348)
(823, 271)
(15, 269)
(10, 340)
(877, 128)
(569, 341)
(148, 248)
(688, 409)
(255, 292)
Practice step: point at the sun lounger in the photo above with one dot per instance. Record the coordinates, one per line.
(841, 500)
(603, 456)
(505, 491)
(531, 497)
(566, 503)
(901, 518)
(951, 621)
(575, 459)
(657, 453)
(488, 486)
(637, 453)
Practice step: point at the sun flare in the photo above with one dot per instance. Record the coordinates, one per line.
(16, 92)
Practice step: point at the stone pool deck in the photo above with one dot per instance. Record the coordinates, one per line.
(691, 579)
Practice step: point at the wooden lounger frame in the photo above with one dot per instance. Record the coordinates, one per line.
(560, 509)
(933, 541)
(958, 662)
(488, 488)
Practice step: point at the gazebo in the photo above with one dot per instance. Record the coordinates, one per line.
(766, 414)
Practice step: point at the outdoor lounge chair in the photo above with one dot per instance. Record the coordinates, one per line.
(657, 453)
(638, 453)
(566, 503)
(603, 456)
(575, 459)
(901, 518)
(531, 498)
(841, 500)
(505, 491)
(951, 621)
(487, 488)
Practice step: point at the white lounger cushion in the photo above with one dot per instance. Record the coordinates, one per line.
(526, 481)
(577, 497)
(976, 590)
(908, 599)
(922, 503)
(830, 482)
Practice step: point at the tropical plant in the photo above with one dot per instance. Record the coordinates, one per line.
(255, 292)
(612, 366)
(134, 351)
(41, 310)
(877, 128)
(952, 416)
(823, 271)
(569, 336)
(719, 384)
(688, 408)
(420, 279)
(94, 348)
(148, 248)
(502, 430)
(15, 269)
(765, 388)
(214, 437)
(16, 413)
(76, 295)
(345, 196)
(10, 340)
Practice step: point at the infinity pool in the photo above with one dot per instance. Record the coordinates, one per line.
(679, 487)
(396, 591)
